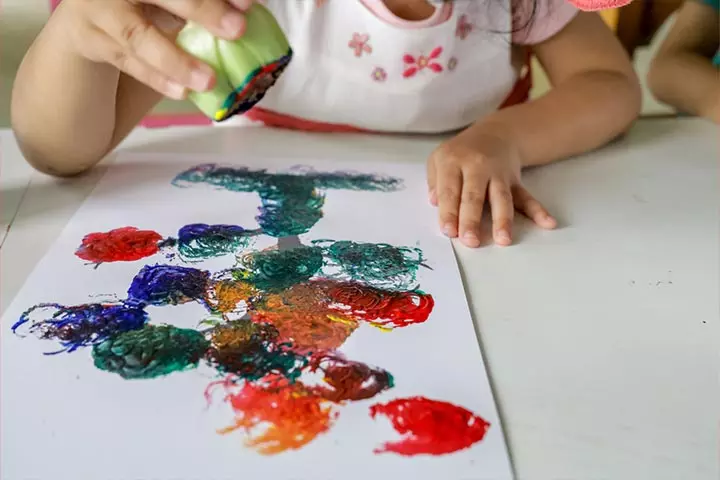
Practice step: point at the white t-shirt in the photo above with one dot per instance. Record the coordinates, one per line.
(357, 66)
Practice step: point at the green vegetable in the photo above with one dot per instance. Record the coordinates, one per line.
(245, 68)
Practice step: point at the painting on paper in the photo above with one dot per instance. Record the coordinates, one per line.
(305, 354)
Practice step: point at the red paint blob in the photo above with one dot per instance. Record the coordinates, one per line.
(124, 244)
(430, 427)
(381, 307)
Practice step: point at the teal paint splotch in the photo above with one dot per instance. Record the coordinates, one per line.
(276, 270)
(291, 202)
(240, 179)
(291, 205)
(378, 265)
(150, 352)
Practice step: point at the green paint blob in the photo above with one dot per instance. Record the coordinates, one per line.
(150, 352)
(290, 206)
(276, 270)
(375, 264)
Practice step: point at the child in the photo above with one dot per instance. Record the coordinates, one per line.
(685, 73)
(378, 65)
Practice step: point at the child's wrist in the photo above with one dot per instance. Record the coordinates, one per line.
(501, 130)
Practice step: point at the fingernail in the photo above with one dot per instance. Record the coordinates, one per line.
(175, 90)
(449, 230)
(431, 196)
(200, 79)
(233, 23)
(502, 236)
(470, 239)
(550, 221)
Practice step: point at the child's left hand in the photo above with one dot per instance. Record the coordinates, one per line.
(476, 165)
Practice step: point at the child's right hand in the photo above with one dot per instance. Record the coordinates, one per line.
(136, 37)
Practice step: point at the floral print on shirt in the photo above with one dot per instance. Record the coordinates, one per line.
(413, 65)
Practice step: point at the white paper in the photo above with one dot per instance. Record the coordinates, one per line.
(64, 419)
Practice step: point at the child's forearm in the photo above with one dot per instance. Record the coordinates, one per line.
(688, 82)
(584, 112)
(64, 107)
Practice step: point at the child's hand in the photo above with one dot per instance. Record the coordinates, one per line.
(135, 36)
(474, 166)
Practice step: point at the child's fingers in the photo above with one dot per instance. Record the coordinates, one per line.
(501, 206)
(167, 58)
(528, 205)
(218, 16)
(472, 201)
(432, 181)
(137, 39)
(144, 73)
(449, 186)
(135, 67)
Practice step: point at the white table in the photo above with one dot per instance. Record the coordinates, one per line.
(601, 337)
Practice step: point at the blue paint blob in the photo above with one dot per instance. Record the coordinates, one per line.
(82, 325)
(168, 285)
(200, 241)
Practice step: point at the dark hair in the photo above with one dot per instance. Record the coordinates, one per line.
(528, 18)
(522, 12)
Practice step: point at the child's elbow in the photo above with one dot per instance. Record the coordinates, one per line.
(51, 154)
(629, 99)
(635, 98)
(55, 163)
(48, 150)
(55, 169)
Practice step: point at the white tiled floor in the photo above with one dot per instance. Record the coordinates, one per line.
(21, 20)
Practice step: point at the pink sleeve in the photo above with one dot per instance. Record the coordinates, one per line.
(535, 26)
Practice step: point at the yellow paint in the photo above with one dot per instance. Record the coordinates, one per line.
(345, 321)
(220, 114)
(611, 17)
(381, 328)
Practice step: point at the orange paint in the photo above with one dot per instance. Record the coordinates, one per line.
(226, 295)
(278, 416)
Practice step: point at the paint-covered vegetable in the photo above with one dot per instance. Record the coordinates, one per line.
(245, 68)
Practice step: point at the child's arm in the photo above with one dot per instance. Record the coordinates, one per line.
(682, 73)
(595, 95)
(67, 111)
(96, 69)
(595, 98)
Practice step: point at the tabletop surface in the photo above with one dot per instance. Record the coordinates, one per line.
(601, 337)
